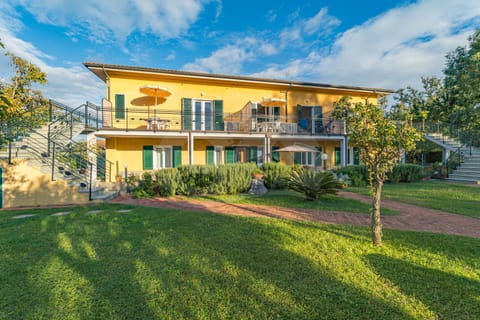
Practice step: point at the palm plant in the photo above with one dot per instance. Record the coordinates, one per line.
(313, 184)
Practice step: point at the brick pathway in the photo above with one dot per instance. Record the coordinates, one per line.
(410, 218)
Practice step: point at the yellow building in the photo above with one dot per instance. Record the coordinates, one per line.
(156, 118)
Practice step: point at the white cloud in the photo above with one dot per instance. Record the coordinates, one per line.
(392, 50)
(320, 21)
(227, 60)
(320, 24)
(271, 16)
(103, 21)
(72, 86)
(230, 58)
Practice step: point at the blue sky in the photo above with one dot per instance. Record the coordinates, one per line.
(373, 43)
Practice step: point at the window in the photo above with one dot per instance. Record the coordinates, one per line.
(119, 106)
(162, 157)
(263, 113)
(214, 155)
(305, 158)
(159, 157)
(338, 156)
(202, 115)
(310, 119)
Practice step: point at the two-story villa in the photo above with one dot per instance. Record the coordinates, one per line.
(156, 118)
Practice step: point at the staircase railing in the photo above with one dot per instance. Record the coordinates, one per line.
(454, 159)
(57, 149)
(64, 119)
(78, 157)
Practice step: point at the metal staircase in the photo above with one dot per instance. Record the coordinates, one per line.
(466, 158)
(55, 149)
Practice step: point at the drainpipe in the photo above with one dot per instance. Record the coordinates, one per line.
(107, 83)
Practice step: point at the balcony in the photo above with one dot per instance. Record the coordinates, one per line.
(143, 119)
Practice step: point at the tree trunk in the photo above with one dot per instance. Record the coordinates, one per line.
(375, 224)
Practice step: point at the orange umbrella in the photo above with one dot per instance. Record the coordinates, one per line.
(155, 91)
(273, 102)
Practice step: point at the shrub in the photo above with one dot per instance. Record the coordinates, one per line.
(358, 175)
(406, 173)
(145, 187)
(166, 183)
(209, 179)
(343, 178)
(276, 175)
(313, 184)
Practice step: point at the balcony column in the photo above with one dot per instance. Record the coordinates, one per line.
(267, 154)
(344, 148)
(91, 155)
(190, 144)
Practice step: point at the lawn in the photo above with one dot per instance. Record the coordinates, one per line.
(168, 264)
(450, 197)
(291, 199)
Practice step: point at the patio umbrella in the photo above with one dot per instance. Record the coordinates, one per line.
(156, 92)
(147, 101)
(297, 148)
(273, 102)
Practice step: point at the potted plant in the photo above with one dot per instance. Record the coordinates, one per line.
(257, 174)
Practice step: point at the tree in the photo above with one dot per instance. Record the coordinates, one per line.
(381, 141)
(426, 104)
(21, 106)
(462, 83)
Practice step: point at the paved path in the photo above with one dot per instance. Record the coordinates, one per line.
(410, 218)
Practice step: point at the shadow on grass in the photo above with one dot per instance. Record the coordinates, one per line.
(153, 263)
(448, 295)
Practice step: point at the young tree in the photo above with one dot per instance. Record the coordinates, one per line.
(381, 142)
(21, 106)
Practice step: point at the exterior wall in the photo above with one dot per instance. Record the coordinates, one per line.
(129, 151)
(234, 96)
(24, 186)
(121, 151)
(235, 93)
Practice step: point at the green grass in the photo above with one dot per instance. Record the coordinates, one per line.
(450, 197)
(165, 264)
(291, 199)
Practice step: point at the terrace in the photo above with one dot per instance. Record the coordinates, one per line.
(252, 118)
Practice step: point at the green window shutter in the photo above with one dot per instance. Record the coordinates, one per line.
(356, 156)
(187, 114)
(275, 154)
(338, 156)
(276, 113)
(147, 157)
(318, 157)
(318, 119)
(119, 106)
(229, 155)
(252, 154)
(210, 154)
(177, 156)
(297, 158)
(218, 115)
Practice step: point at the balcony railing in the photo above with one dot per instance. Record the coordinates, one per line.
(147, 119)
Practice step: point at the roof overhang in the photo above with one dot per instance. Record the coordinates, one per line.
(103, 70)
